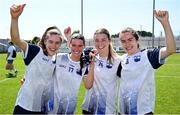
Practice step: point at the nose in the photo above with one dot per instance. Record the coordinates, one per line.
(99, 44)
(55, 45)
(126, 43)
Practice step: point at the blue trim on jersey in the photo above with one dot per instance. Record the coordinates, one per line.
(33, 50)
(153, 56)
(130, 103)
(97, 104)
(118, 73)
(67, 106)
(101, 105)
(93, 104)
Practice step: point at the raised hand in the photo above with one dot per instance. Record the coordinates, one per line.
(162, 16)
(16, 10)
(93, 54)
(67, 33)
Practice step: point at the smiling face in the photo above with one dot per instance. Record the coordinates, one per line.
(52, 44)
(51, 41)
(77, 44)
(101, 43)
(129, 43)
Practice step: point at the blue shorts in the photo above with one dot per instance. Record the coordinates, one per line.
(10, 61)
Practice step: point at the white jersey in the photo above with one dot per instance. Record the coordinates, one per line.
(11, 50)
(68, 77)
(137, 84)
(101, 98)
(34, 92)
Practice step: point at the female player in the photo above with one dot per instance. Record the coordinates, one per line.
(101, 98)
(137, 84)
(39, 63)
(71, 69)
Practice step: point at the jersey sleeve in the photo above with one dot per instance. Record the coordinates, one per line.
(154, 58)
(118, 73)
(31, 52)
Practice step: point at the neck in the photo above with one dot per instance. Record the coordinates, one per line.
(138, 50)
(75, 58)
(104, 54)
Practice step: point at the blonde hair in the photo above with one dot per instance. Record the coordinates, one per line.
(111, 53)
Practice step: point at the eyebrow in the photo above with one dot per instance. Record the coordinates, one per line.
(130, 38)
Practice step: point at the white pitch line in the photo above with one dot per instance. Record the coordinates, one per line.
(169, 76)
(173, 64)
(6, 79)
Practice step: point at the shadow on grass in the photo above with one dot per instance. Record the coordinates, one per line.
(11, 76)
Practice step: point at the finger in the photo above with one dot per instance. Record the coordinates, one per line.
(22, 6)
(162, 13)
(95, 51)
(155, 13)
(15, 8)
(68, 30)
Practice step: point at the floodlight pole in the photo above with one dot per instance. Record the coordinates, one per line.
(153, 24)
(82, 17)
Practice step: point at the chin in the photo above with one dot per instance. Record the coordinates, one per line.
(51, 54)
(129, 52)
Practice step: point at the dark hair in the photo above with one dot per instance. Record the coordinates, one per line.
(132, 31)
(10, 43)
(77, 36)
(46, 34)
(80, 37)
(111, 52)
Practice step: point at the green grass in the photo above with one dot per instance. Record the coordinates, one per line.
(9, 86)
(167, 86)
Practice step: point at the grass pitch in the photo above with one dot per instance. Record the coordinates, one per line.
(167, 86)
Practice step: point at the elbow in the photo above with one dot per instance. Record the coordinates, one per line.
(172, 52)
(14, 41)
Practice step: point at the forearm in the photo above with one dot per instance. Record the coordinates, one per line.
(15, 37)
(170, 42)
(88, 82)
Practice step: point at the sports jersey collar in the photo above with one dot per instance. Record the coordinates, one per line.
(72, 60)
(101, 58)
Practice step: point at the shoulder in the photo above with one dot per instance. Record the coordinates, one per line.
(154, 57)
(31, 52)
(122, 57)
(63, 56)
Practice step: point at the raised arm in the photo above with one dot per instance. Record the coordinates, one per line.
(163, 18)
(67, 33)
(16, 11)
